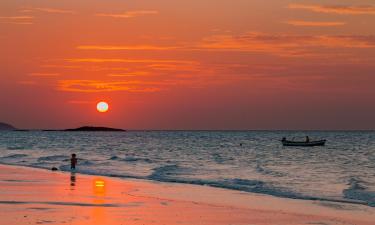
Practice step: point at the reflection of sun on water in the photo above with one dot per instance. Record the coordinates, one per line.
(99, 191)
(99, 188)
(99, 183)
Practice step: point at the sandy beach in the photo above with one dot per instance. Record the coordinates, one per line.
(35, 196)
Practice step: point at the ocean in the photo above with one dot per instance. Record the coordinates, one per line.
(250, 161)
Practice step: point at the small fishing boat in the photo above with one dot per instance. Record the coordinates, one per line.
(303, 143)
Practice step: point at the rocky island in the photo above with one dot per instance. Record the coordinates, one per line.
(6, 127)
(91, 129)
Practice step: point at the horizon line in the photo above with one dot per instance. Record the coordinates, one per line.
(219, 130)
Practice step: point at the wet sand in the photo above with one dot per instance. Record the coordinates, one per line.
(35, 196)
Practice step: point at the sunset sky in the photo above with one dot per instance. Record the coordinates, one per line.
(188, 64)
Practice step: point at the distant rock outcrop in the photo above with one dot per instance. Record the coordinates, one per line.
(88, 128)
(6, 127)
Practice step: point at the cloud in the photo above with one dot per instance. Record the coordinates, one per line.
(313, 23)
(257, 42)
(285, 44)
(93, 86)
(116, 60)
(336, 9)
(60, 66)
(174, 67)
(137, 85)
(48, 10)
(44, 74)
(21, 20)
(129, 14)
(80, 102)
(251, 42)
(27, 19)
(131, 74)
(51, 10)
(19, 23)
(136, 47)
(16, 17)
(27, 82)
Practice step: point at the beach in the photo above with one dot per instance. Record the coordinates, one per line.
(37, 196)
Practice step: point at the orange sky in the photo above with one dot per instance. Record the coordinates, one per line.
(208, 64)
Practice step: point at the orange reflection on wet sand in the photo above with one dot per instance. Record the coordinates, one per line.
(50, 198)
(99, 187)
(99, 213)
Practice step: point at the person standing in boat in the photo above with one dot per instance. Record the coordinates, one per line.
(307, 139)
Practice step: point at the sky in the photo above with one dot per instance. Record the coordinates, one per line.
(188, 64)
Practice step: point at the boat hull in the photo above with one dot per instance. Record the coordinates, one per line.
(304, 144)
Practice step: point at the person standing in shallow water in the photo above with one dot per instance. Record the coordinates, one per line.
(73, 162)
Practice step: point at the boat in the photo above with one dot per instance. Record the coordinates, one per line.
(304, 143)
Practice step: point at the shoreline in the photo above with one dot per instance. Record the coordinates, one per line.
(31, 195)
(208, 184)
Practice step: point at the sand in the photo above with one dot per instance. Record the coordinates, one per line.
(36, 196)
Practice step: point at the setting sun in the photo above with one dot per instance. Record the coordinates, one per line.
(102, 107)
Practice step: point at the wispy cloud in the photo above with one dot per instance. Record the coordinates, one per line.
(174, 67)
(29, 19)
(129, 14)
(27, 82)
(117, 60)
(16, 17)
(336, 9)
(93, 86)
(284, 44)
(131, 74)
(21, 20)
(60, 66)
(257, 42)
(19, 23)
(80, 102)
(129, 47)
(314, 23)
(47, 10)
(44, 74)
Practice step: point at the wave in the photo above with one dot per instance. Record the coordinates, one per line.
(14, 156)
(168, 173)
(251, 186)
(131, 159)
(218, 158)
(16, 147)
(163, 172)
(265, 171)
(53, 158)
(358, 191)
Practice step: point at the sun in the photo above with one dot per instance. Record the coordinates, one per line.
(102, 107)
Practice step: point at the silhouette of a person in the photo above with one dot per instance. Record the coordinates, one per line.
(73, 162)
(307, 139)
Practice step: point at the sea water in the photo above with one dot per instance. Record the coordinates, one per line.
(250, 161)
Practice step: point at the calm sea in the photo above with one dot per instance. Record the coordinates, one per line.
(343, 170)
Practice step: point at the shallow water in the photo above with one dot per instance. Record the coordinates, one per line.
(343, 170)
